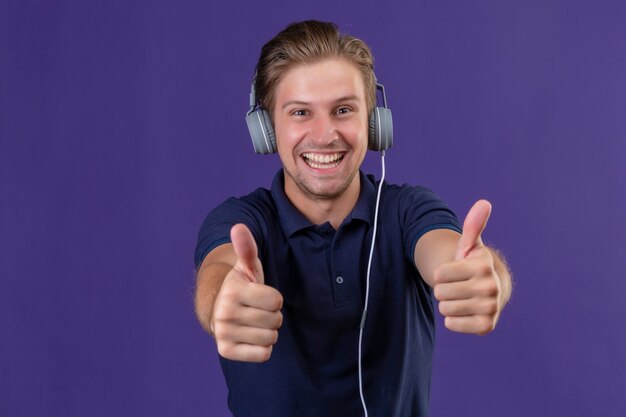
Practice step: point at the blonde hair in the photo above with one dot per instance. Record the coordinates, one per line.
(310, 42)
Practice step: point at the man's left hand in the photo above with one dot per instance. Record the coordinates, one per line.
(469, 289)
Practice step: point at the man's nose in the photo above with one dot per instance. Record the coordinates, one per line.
(324, 129)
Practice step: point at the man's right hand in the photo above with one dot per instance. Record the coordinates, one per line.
(246, 314)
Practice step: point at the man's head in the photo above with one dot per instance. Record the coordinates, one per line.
(319, 88)
(310, 42)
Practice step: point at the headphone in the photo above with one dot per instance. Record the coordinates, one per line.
(380, 134)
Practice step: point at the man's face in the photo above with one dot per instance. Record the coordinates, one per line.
(321, 124)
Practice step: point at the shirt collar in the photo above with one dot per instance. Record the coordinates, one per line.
(292, 220)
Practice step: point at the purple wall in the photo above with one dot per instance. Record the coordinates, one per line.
(122, 123)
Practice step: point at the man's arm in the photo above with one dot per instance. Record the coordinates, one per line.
(233, 304)
(211, 274)
(471, 281)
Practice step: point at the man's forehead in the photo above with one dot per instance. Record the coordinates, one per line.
(326, 81)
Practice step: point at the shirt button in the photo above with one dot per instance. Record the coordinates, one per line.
(339, 280)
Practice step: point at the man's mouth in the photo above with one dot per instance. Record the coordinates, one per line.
(322, 161)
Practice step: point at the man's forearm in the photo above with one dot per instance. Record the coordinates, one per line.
(208, 283)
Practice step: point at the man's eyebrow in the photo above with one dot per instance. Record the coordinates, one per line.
(298, 102)
(306, 103)
(347, 98)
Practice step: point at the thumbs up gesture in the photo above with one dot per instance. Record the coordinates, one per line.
(246, 314)
(469, 288)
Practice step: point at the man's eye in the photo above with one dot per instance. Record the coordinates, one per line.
(343, 110)
(299, 113)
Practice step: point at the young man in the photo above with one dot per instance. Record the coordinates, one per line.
(283, 273)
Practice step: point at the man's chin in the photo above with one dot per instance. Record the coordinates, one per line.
(320, 189)
(326, 190)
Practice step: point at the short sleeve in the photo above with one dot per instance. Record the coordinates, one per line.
(421, 211)
(215, 229)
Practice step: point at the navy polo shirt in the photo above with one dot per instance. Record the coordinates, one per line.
(321, 273)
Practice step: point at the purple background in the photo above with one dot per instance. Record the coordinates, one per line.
(121, 125)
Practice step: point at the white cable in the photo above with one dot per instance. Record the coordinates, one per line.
(367, 282)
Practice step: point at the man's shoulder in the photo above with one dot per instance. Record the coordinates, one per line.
(415, 205)
(255, 210)
(259, 200)
(402, 193)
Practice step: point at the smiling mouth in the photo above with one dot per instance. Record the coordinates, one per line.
(322, 161)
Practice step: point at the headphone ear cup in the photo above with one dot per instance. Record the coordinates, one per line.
(261, 132)
(380, 129)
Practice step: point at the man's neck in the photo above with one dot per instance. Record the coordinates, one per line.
(322, 210)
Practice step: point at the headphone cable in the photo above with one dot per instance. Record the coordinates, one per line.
(367, 282)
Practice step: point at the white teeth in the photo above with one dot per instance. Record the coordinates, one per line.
(325, 159)
(322, 161)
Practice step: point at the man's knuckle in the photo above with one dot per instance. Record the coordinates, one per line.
(485, 325)
(488, 288)
(278, 321)
(265, 354)
(221, 332)
(274, 337)
(485, 268)
(444, 308)
(225, 350)
(491, 307)
(276, 300)
(218, 314)
(492, 288)
(229, 295)
(223, 312)
(438, 291)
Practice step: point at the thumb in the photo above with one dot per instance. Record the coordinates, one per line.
(473, 226)
(246, 251)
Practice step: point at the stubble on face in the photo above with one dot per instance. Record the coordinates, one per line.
(322, 150)
(314, 191)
